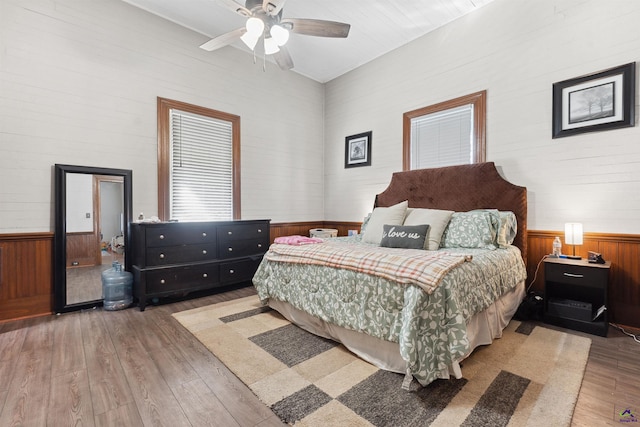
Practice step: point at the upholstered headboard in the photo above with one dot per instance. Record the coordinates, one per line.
(460, 188)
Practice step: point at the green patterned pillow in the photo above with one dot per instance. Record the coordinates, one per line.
(508, 228)
(473, 229)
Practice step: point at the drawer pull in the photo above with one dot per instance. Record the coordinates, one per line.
(259, 230)
(577, 276)
(162, 237)
(259, 245)
(229, 233)
(162, 281)
(230, 249)
(161, 256)
(204, 252)
(205, 275)
(231, 271)
(204, 234)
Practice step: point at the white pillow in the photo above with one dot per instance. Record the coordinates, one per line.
(437, 220)
(393, 215)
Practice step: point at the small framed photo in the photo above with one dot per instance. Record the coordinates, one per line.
(600, 101)
(357, 150)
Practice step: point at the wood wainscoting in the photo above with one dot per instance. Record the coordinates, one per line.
(302, 228)
(623, 250)
(26, 275)
(26, 267)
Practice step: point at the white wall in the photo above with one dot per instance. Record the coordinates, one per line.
(516, 50)
(78, 85)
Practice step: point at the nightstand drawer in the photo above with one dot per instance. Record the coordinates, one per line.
(576, 275)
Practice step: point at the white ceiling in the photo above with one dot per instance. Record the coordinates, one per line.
(377, 27)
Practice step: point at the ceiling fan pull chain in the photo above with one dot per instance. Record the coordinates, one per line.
(254, 57)
(264, 63)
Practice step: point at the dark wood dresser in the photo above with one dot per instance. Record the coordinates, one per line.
(181, 257)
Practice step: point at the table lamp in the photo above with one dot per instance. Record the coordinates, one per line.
(573, 236)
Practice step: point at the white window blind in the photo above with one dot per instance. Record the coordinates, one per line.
(201, 175)
(443, 138)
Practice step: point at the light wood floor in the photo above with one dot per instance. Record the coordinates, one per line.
(132, 368)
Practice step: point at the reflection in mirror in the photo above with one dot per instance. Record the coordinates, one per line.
(93, 212)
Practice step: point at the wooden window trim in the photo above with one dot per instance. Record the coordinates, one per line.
(479, 101)
(164, 154)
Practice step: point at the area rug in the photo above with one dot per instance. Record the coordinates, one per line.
(530, 376)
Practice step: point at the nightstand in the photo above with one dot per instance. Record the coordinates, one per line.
(576, 295)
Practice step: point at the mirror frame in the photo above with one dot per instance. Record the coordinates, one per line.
(60, 236)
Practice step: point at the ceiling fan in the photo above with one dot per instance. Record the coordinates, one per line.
(264, 21)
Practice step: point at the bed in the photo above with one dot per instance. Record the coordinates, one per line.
(387, 299)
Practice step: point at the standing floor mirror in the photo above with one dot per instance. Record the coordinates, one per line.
(92, 230)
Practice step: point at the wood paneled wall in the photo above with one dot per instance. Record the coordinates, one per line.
(26, 275)
(26, 267)
(302, 228)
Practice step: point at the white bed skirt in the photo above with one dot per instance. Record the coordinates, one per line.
(482, 329)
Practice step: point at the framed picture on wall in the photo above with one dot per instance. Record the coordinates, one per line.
(600, 101)
(357, 150)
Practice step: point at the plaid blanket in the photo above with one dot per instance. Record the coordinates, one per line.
(425, 269)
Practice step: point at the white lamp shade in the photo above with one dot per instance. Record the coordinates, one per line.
(281, 35)
(250, 39)
(573, 233)
(270, 46)
(255, 26)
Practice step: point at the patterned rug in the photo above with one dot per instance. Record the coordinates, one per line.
(530, 376)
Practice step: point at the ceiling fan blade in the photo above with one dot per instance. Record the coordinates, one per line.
(223, 40)
(316, 27)
(272, 7)
(283, 59)
(234, 7)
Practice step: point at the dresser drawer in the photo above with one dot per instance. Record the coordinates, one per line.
(240, 248)
(180, 234)
(239, 271)
(576, 275)
(182, 278)
(231, 232)
(179, 254)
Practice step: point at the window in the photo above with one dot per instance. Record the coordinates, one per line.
(198, 163)
(445, 134)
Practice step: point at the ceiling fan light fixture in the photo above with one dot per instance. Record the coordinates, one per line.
(250, 39)
(270, 46)
(280, 34)
(255, 26)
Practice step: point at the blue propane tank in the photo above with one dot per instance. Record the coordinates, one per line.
(116, 288)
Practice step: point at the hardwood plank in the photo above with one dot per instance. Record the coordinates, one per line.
(201, 405)
(28, 394)
(68, 351)
(126, 415)
(234, 395)
(70, 400)
(109, 386)
(11, 338)
(154, 399)
(167, 357)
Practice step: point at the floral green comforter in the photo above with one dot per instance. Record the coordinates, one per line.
(430, 329)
